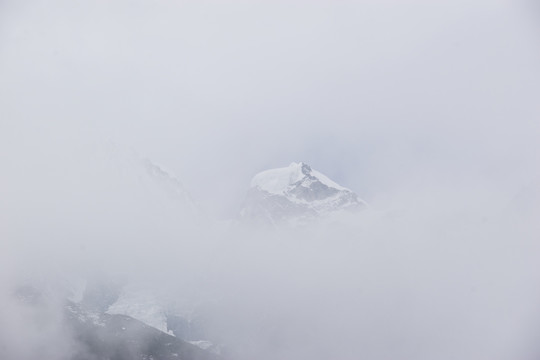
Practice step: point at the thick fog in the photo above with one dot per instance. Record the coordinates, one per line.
(429, 111)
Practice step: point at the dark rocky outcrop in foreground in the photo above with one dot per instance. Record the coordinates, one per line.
(118, 337)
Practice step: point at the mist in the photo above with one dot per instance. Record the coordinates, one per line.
(130, 131)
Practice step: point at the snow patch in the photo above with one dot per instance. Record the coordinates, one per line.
(140, 306)
(203, 344)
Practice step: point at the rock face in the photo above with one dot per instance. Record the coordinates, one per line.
(295, 195)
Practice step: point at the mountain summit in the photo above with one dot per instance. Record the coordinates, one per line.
(295, 194)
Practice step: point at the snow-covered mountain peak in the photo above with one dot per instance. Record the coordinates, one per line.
(294, 194)
(279, 181)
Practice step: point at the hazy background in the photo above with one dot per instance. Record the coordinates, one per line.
(377, 94)
(428, 110)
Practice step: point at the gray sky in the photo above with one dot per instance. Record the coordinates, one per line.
(372, 93)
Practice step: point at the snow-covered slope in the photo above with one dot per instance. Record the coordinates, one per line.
(171, 316)
(141, 306)
(111, 336)
(296, 194)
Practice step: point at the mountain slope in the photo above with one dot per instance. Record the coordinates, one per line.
(119, 337)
